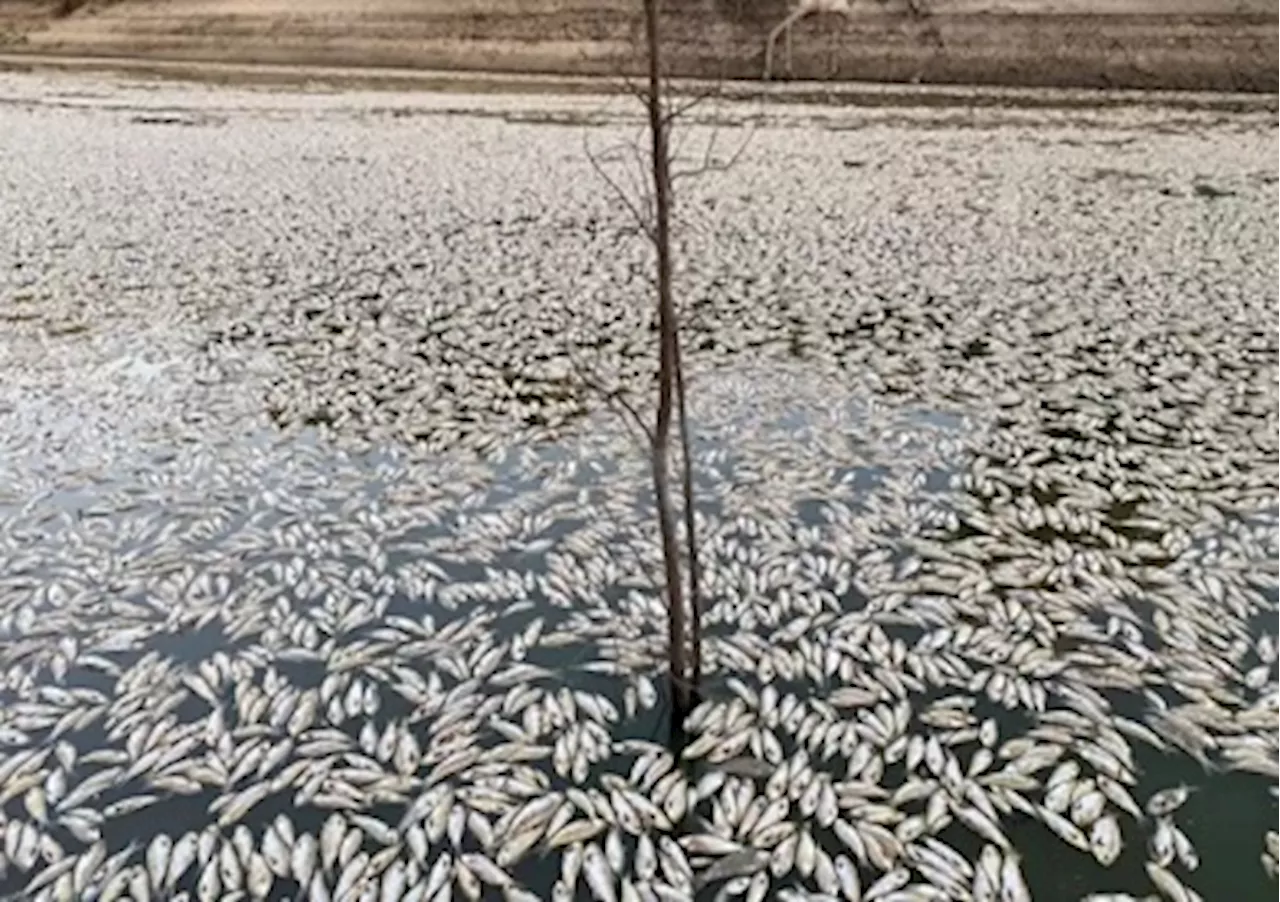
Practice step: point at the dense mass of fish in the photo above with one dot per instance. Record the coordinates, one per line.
(344, 588)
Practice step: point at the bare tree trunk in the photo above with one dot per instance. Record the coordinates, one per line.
(690, 533)
(681, 674)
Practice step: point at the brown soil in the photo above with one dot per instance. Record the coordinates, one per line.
(1216, 45)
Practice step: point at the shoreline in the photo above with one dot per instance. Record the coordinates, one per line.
(844, 93)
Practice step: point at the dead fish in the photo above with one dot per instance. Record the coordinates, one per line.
(736, 864)
(1167, 801)
(598, 876)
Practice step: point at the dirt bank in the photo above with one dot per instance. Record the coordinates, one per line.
(1215, 45)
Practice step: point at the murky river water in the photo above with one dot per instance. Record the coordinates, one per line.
(325, 572)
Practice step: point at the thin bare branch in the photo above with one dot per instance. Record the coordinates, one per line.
(641, 176)
(692, 101)
(710, 165)
(641, 222)
(614, 396)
